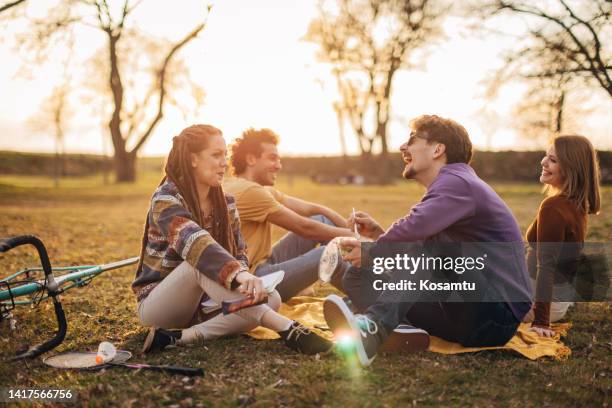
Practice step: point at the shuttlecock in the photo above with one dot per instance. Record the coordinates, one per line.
(106, 352)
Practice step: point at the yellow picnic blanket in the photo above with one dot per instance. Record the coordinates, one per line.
(309, 311)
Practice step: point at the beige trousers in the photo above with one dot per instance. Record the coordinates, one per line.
(174, 301)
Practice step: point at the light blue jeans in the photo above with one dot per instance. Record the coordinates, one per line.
(298, 257)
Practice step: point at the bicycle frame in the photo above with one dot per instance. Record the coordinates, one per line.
(78, 276)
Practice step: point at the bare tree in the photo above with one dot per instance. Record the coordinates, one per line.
(339, 111)
(563, 52)
(132, 119)
(541, 113)
(367, 42)
(550, 107)
(142, 92)
(564, 40)
(54, 113)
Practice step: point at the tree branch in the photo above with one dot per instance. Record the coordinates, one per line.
(594, 63)
(10, 5)
(103, 26)
(162, 90)
(557, 21)
(596, 41)
(124, 13)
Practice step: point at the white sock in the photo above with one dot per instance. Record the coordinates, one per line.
(288, 325)
(188, 336)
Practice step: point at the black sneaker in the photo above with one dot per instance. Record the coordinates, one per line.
(406, 339)
(159, 339)
(359, 330)
(302, 339)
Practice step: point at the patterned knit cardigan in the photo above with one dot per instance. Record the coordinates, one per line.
(174, 237)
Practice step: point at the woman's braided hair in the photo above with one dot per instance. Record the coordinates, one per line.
(178, 169)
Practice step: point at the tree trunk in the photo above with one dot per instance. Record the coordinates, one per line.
(63, 169)
(559, 105)
(125, 167)
(56, 168)
(125, 161)
(59, 137)
(384, 148)
(340, 118)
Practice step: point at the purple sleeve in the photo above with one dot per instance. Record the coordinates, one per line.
(448, 200)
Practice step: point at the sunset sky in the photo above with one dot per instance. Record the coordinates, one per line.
(257, 71)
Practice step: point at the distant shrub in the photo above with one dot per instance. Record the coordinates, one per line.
(498, 166)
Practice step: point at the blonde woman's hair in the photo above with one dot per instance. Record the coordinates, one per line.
(580, 170)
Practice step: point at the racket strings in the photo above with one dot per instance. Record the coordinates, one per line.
(84, 360)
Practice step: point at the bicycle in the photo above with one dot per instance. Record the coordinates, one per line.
(28, 282)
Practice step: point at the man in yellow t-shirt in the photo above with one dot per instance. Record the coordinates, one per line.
(255, 161)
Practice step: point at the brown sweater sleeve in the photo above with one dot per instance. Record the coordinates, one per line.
(550, 236)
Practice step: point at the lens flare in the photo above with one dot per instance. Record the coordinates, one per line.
(345, 342)
(345, 347)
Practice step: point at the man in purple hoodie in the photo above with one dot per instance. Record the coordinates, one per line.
(458, 208)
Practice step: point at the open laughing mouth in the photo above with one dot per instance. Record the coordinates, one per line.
(407, 159)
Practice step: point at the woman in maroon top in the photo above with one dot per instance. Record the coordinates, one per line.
(570, 172)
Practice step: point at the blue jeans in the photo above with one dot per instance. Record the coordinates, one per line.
(298, 257)
(470, 324)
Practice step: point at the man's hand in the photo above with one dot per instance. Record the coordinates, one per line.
(543, 331)
(350, 248)
(366, 225)
(251, 285)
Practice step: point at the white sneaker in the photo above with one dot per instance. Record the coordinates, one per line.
(361, 330)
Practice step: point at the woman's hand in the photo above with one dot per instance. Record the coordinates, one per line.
(543, 331)
(366, 225)
(350, 248)
(251, 285)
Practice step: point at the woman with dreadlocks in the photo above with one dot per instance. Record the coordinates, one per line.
(192, 249)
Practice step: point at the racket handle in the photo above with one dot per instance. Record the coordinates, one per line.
(187, 371)
(234, 306)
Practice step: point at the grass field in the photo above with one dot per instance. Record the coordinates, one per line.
(86, 222)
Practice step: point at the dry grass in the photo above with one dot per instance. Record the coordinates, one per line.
(85, 222)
